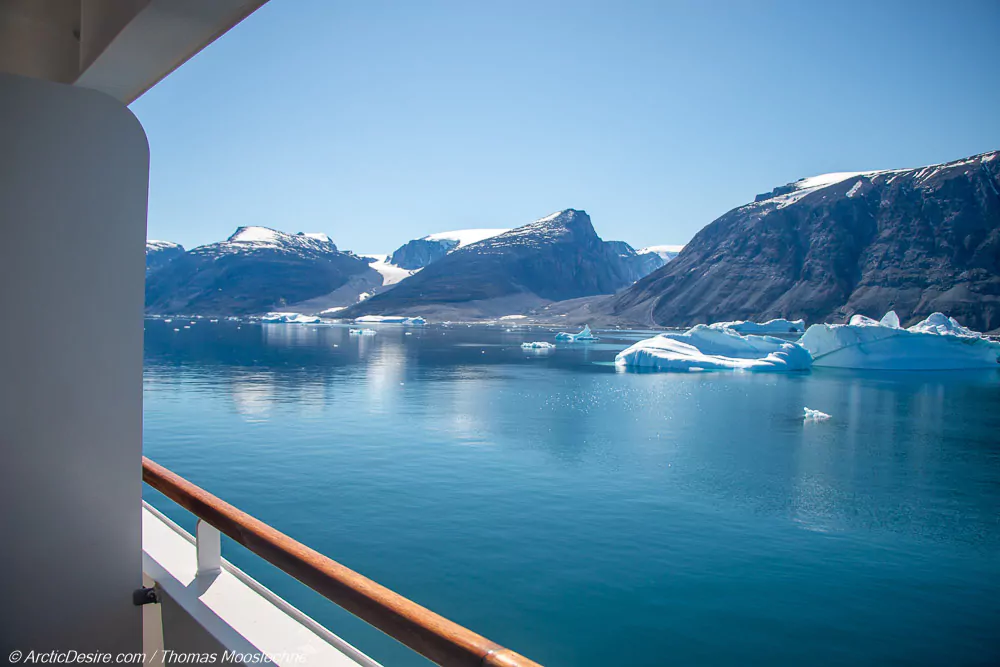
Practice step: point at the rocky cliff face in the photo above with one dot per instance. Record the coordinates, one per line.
(254, 271)
(418, 253)
(555, 258)
(639, 264)
(823, 248)
(160, 253)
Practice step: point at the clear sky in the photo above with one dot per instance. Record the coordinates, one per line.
(378, 122)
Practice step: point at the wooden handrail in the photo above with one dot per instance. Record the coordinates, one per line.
(432, 636)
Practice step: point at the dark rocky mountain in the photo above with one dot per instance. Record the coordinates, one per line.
(639, 264)
(824, 248)
(160, 253)
(254, 271)
(558, 257)
(418, 253)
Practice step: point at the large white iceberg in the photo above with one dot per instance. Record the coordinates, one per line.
(778, 326)
(290, 318)
(390, 319)
(704, 348)
(584, 335)
(937, 343)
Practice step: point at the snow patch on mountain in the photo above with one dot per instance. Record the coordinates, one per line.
(464, 237)
(666, 252)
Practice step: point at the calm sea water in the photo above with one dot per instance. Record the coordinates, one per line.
(585, 516)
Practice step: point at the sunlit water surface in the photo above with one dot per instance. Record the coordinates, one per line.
(585, 516)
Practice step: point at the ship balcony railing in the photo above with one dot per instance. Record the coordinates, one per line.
(206, 604)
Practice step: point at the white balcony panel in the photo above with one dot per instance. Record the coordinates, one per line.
(235, 610)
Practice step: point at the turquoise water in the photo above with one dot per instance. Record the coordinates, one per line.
(585, 516)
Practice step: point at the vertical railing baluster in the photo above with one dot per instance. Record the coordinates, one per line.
(209, 547)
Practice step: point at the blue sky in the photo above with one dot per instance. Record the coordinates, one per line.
(377, 122)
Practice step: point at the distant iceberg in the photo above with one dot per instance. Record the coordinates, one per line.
(362, 332)
(584, 335)
(538, 345)
(290, 318)
(704, 348)
(390, 319)
(937, 343)
(778, 326)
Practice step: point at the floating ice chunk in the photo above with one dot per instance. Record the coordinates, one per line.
(290, 318)
(703, 348)
(937, 343)
(770, 327)
(584, 335)
(811, 415)
(890, 319)
(390, 319)
(537, 345)
(362, 332)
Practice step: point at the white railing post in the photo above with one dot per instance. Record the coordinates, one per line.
(209, 547)
(152, 629)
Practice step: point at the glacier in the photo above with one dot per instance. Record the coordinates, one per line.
(584, 335)
(705, 348)
(937, 343)
(290, 318)
(778, 326)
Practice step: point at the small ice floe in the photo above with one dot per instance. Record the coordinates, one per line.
(583, 336)
(778, 326)
(167, 321)
(362, 332)
(290, 318)
(704, 348)
(937, 343)
(408, 333)
(811, 415)
(537, 345)
(213, 321)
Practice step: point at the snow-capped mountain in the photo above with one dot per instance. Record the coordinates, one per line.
(255, 270)
(418, 253)
(665, 252)
(159, 253)
(823, 248)
(557, 257)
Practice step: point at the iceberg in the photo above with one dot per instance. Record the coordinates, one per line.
(811, 415)
(362, 332)
(390, 319)
(937, 343)
(584, 335)
(290, 318)
(538, 345)
(778, 326)
(703, 348)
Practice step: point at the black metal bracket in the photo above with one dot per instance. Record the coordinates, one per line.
(141, 596)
